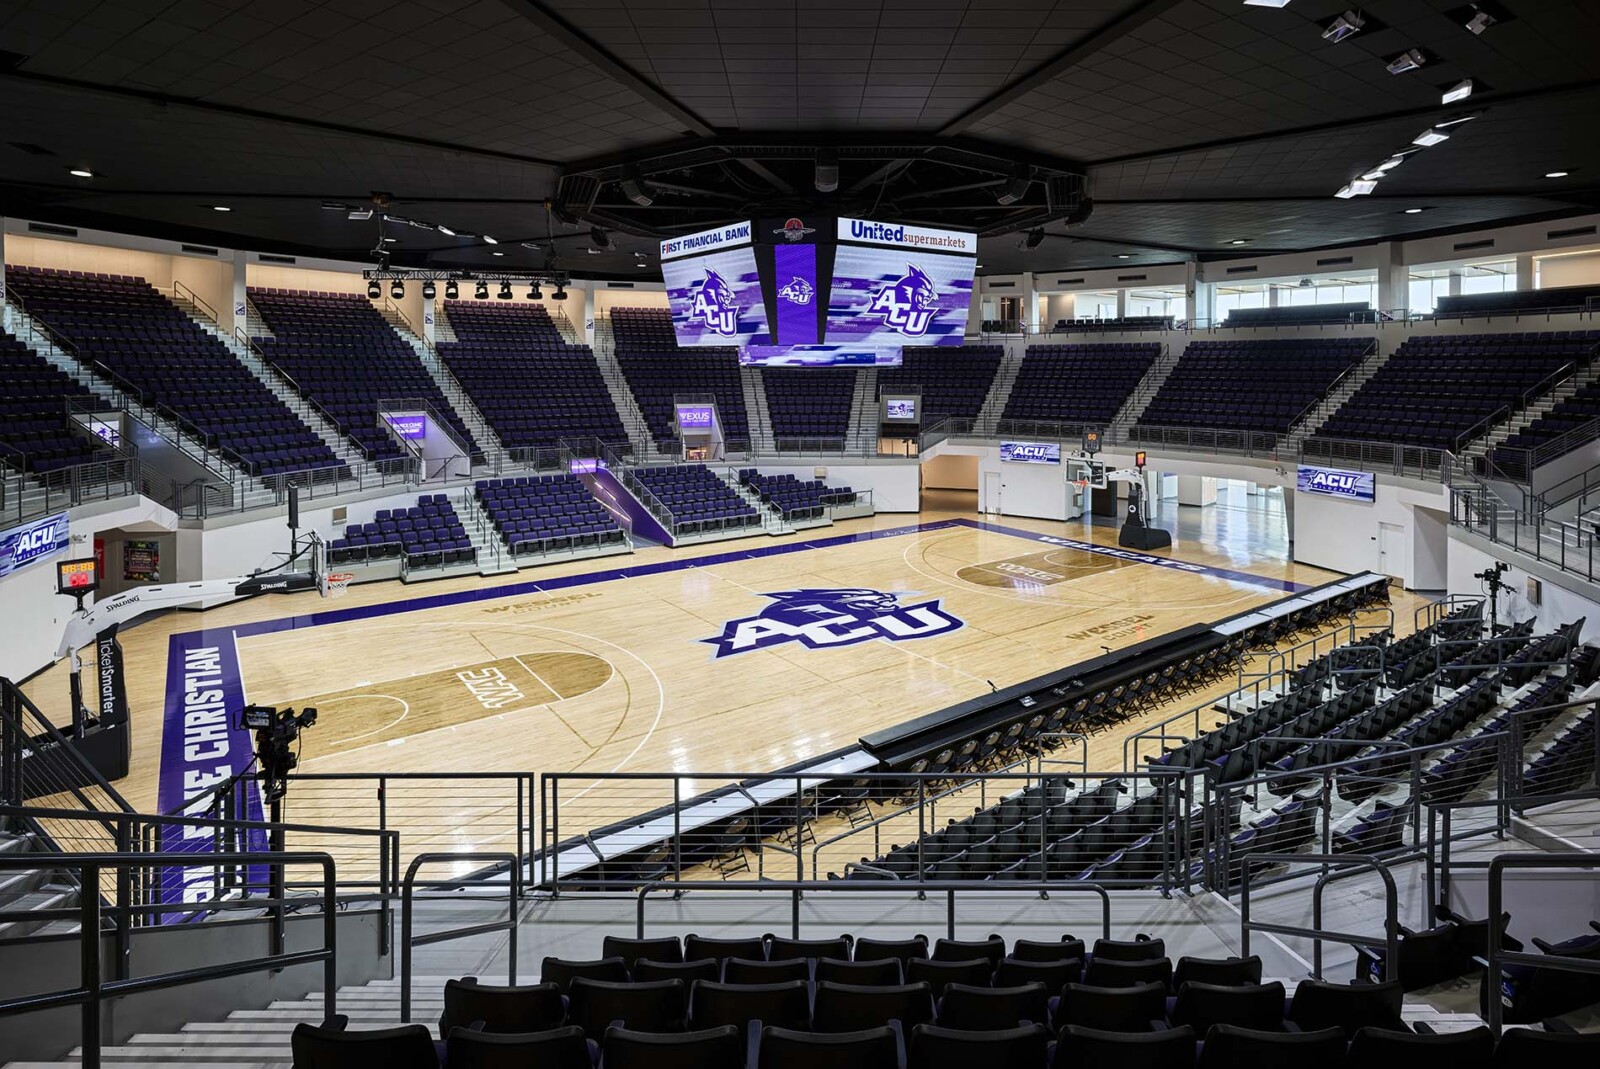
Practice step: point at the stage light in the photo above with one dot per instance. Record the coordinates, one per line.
(221, 208)
(600, 238)
(1478, 16)
(1390, 164)
(1429, 137)
(1121, 256)
(446, 231)
(1266, 3)
(1557, 174)
(1358, 188)
(1034, 239)
(374, 290)
(634, 190)
(559, 293)
(398, 290)
(1460, 91)
(483, 291)
(81, 172)
(359, 215)
(497, 254)
(1480, 21)
(1347, 25)
(487, 240)
(451, 291)
(505, 291)
(1017, 187)
(825, 175)
(534, 293)
(1414, 211)
(1407, 61)
(428, 290)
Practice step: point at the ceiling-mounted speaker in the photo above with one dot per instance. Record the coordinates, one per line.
(1016, 186)
(633, 188)
(826, 178)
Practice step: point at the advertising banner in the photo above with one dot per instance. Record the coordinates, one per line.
(1332, 482)
(1030, 452)
(722, 237)
(37, 540)
(141, 561)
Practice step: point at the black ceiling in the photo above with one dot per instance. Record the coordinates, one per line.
(1190, 123)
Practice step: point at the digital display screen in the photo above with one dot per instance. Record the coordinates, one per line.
(819, 356)
(586, 466)
(890, 296)
(410, 427)
(795, 281)
(694, 417)
(1332, 482)
(716, 299)
(900, 409)
(1030, 452)
(76, 575)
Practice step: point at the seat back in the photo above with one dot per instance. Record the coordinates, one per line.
(940, 974)
(1108, 972)
(1249, 1006)
(747, 971)
(409, 1046)
(1130, 949)
(882, 973)
(1320, 1004)
(991, 950)
(1388, 1048)
(557, 1048)
(782, 1005)
(1522, 1047)
(699, 948)
(562, 971)
(989, 1009)
(710, 1048)
(688, 971)
(631, 950)
(1083, 1047)
(1217, 971)
(933, 1047)
(1229, 1046)
(869, 1048)
(780, 948)
(903, 950)
(1114, 1009)
(1054, 975)
(656, 1006)
(1040, 950)
(851, 1007)
(532, 1008)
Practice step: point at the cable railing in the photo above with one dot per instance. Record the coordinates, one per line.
(1412, 461)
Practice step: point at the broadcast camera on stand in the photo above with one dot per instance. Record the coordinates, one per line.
(1493, 584)
(277, 750)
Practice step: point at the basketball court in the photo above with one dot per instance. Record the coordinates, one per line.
(750, 656)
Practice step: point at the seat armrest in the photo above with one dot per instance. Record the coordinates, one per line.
(337, 1023)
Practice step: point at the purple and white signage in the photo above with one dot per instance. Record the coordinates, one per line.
(819, 356)
(896, 297)
(796, 280)
(716, 299)
(695, 417)
(900, 409)
(412, 426)
(1030, 452)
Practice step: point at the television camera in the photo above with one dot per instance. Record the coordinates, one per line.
(1493, 584)
(277, 737)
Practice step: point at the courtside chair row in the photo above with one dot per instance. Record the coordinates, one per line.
(699, 501)
(540, 513)
(429, 534)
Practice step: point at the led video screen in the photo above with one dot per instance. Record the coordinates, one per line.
(716, 299)
(895, 296)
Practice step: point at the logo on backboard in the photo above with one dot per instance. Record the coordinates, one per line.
(825, 618)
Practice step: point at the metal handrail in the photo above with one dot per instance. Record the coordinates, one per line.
(1498, 955)
(93, 990)
(1335, 866)
(920, 887)
(408, 940)
(180, 290)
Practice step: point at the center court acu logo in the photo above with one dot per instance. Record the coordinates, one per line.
(714, 305)
(908, 304)
(822, 619)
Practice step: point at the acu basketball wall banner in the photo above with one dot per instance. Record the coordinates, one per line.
(38, 540)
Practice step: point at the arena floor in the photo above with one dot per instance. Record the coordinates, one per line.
(641, 663)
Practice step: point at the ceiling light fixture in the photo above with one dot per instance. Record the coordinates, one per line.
(359, 215)
(1479, 15)
(487, 240)
(446, 231)
(1266, 3)
(221, 208)
(1429, 137)
(398, 290)
(1124, 255)
(482, 293)
(633, 189)
(1347, 25)
(497, 254)
(1239, 241)
(451, 291)
(1460, 91)
(81, 172)
(429, 292)
(505, 291)
(1407, 61)
(559, 293)
(1414, 211)
(535, 293)
(1358, 188)
(1557, 174)
(374, 290)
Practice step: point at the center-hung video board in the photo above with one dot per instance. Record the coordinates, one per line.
(843, 292)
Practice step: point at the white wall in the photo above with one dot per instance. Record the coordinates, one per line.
(1558, 604)
(1574, 269)
(1343, 535)
(950, 472)
(209, 277)
(34, 615)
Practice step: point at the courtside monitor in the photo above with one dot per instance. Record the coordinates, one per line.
(75, 577)
(828, 292)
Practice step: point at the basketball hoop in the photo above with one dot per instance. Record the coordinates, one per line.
(336, 584)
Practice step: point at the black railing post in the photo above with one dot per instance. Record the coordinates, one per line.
(89, 960)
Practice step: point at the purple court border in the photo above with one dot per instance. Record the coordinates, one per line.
(199, 747)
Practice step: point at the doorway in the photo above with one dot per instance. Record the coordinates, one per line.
(989, 502)
(1391, 549)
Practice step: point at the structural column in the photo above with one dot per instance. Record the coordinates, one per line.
(1394, 278)
(5, 309)
(1525, 272)
(430, 306)
(238, 308)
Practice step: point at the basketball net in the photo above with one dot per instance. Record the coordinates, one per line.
(337, 584)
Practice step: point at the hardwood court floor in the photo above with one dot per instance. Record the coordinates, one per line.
(617, 674)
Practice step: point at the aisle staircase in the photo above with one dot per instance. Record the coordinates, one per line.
(605, 355)
(32, 889)
(1583, 377)
(861, 433)
(495, 455)
(994, 405)
(757, 415)
(1148, 387)
(1342, 392)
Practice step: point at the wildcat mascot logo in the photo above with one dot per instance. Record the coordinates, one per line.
(797, 291)
(714, 305)
(824, 618)
(908, 304)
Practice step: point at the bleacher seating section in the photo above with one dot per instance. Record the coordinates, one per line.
(954, 379)
(428, 534)
(1559, 299)
(855, 1002)
(1437, 391)
(657, 368)
(698, 501)
(531, 386)
(1078, 383)
(1110, 326)
(156, 353)
(540, 513)
(36, 434)
(1302, 315)
(808, 403)
(1257, 386)
(345, 357)
(1574, 413)
(792, 497)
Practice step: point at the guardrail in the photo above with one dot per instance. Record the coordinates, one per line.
(410, 940)
(1498, 955)
(1335, 867)
(93, 989)
(950, 888)
(1418, 462)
